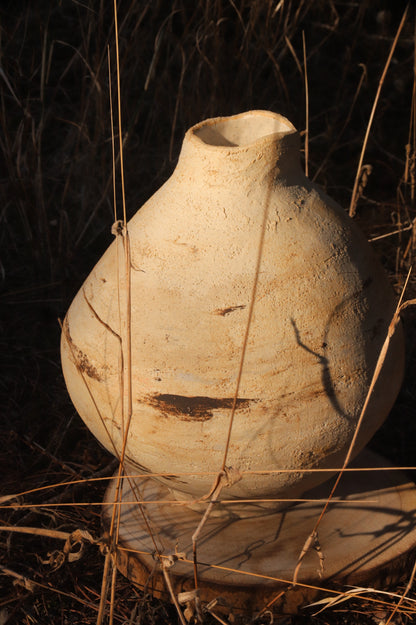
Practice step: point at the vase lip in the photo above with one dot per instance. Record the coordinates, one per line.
(238, 132)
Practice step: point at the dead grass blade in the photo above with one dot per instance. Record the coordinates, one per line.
(404, 595)
(305, 72)
(33, 585)
(359, 592)
(410, 167)
(36, 531)
(335, 142)
(358, 176)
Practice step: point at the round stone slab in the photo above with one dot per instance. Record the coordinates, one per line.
(365, 537)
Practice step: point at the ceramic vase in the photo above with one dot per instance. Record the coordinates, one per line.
(240, 271)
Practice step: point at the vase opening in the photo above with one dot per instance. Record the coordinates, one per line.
(241, 130)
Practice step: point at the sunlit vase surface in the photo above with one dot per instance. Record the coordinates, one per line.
(238, 263)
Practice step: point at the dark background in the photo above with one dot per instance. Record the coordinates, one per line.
(180, 62)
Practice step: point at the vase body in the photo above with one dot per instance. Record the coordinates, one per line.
(238, 237)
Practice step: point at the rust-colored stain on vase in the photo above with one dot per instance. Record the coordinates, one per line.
(191, 408)
(226, 311)
(80, 359)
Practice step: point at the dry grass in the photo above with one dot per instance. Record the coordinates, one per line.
(179, 63)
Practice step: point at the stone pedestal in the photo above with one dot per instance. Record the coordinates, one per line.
(365, 538)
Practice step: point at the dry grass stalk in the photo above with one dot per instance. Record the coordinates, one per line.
(361, 593)
(110, 568)
(404, 595)
(344, 126)
(354, 196)
(410, 168)
(305, 72)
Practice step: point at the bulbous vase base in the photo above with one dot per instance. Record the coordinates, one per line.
(366, 536)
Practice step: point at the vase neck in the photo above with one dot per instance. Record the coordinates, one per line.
(241, 149)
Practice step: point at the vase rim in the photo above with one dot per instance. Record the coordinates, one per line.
(235, 132)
